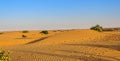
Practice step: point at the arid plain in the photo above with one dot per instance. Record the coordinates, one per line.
(62, 45)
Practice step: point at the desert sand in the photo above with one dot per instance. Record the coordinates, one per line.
(62, 45)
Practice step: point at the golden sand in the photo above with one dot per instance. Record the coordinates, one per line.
(62, 45)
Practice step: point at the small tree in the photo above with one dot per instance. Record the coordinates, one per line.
(44, 32)
(25, 31)
(24, 36)
(4, 56)
(97, 28)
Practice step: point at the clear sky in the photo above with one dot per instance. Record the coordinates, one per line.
(58, 14)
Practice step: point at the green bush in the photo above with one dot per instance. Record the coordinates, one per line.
(44, 32)
(4, 55)
(97, 28)
(24, 36)
(25, 31)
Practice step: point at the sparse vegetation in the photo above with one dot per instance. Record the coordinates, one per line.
(44, 32)
(25, 31)
(97, 28)
(4, 55)
(108, 29)
(54, 31)
(111, 29)
(1, 33)
(24, 36)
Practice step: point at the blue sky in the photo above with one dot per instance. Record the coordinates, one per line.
(58, 14)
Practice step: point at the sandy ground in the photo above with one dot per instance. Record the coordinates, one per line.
(62, 45)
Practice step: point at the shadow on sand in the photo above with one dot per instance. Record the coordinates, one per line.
(92, 57)
(34, 41)
(83, 58)
(115, 47)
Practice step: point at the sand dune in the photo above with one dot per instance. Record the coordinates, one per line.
(62, 45)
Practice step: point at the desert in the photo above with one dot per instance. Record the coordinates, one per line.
(59, 30)
(62, 45)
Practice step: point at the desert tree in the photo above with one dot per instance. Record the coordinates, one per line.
(44, 32)
(25, 31)
(24, 36)
(97, 28)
